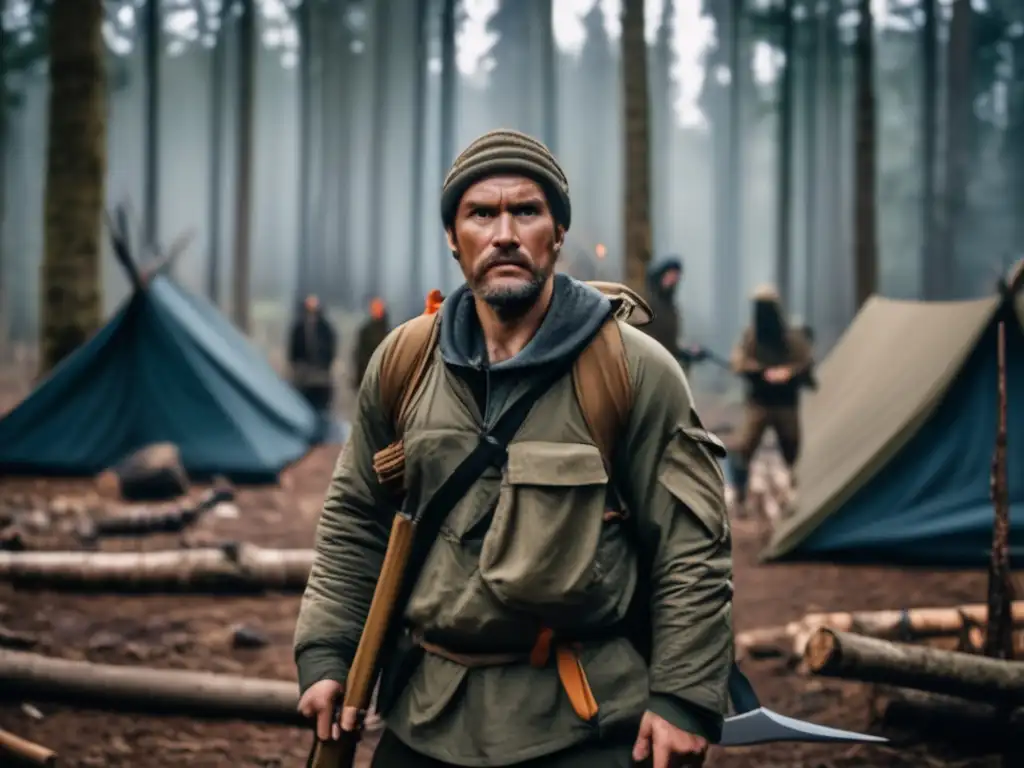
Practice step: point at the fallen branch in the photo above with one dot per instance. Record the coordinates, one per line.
(230, 568)
(948, 718)
(25, 750)
(905, 625)
(147, 691)
(144, 521)
(854, 657)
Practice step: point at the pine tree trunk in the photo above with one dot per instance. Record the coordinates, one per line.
(959, 112)
(784, 221)
(76, 169)
(931, 288)
(216, 167)
(243, 165)
(637, 146)
(421, 75)
(865, 229)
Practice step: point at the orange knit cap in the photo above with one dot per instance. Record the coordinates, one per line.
(377, 309)
(434, 301)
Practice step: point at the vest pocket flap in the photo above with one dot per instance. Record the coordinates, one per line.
(555, 464)
(695, 480)
(708, 440)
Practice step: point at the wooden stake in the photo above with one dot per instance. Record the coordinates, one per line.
(999, 635)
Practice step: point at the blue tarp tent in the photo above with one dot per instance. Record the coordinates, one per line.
(896, 462)
(167, 367)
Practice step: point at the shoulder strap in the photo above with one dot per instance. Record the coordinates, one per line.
(405, 365)
(601, 373)
(603, 388)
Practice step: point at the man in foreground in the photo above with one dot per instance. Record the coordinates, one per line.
(547, 556)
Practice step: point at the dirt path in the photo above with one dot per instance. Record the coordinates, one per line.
(195, 633)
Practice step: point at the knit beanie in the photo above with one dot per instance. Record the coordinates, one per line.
(506, 151)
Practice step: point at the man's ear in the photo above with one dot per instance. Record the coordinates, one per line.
(559, 237)
(453, 244)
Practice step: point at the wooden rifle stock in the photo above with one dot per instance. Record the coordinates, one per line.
(363, 673)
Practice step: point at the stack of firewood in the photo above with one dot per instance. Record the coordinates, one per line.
(926, 664)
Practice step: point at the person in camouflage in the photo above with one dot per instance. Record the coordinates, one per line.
(542, 547)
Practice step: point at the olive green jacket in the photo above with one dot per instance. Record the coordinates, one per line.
(547, 557)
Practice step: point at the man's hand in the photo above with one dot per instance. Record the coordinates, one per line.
(319, 701)
(666, 745)
(778, 375)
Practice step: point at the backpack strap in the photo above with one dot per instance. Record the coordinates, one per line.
(603, 388)
(402, 371)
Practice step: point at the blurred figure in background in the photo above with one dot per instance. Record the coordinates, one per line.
(663, 280)
(312, 345)
(371, 334)
(775, 359)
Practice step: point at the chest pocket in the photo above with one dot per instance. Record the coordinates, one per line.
(549, 547)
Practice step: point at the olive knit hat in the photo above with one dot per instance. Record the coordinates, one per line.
(506, 151)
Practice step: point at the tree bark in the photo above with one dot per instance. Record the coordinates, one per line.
(229, 569)
(421, 75)
(216, 181)
(930, 280)
(636, 102)
(999, 629)
(378, 144)
(959, 114)
(243, 165)
(146, 691)
(948, 718)
(855, 657)
(76, 168)
(865, 235)
(812, 240)
(152, 38)
(304, 274)
(783, 210)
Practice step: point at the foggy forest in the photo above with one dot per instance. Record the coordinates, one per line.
(753, 121)
(784, 511)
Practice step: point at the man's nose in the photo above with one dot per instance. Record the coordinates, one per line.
(505, 234)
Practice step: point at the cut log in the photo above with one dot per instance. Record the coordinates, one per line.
(29, 753)
(948, 718)
(904, 625)
(229, 568)
(144, 521)
(869, 660)
(146, 691)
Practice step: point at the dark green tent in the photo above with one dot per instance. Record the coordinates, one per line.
(168, 367)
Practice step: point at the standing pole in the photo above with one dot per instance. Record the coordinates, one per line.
(999, 635)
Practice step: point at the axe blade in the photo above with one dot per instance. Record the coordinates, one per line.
(762, 726)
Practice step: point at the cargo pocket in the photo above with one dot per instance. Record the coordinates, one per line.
(691, 473)
(541, 551)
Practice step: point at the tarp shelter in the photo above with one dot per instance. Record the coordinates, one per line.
(898, 440)
(167, 367)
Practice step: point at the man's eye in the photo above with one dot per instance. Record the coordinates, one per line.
(481, 213)
(527, 211)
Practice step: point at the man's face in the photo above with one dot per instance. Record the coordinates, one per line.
(670, 279)
(506, 241)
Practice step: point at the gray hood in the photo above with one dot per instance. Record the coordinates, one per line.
(577, 312)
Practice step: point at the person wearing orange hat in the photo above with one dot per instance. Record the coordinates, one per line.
(371, 334)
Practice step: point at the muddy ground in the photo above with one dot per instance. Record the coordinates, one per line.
(195, 632)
